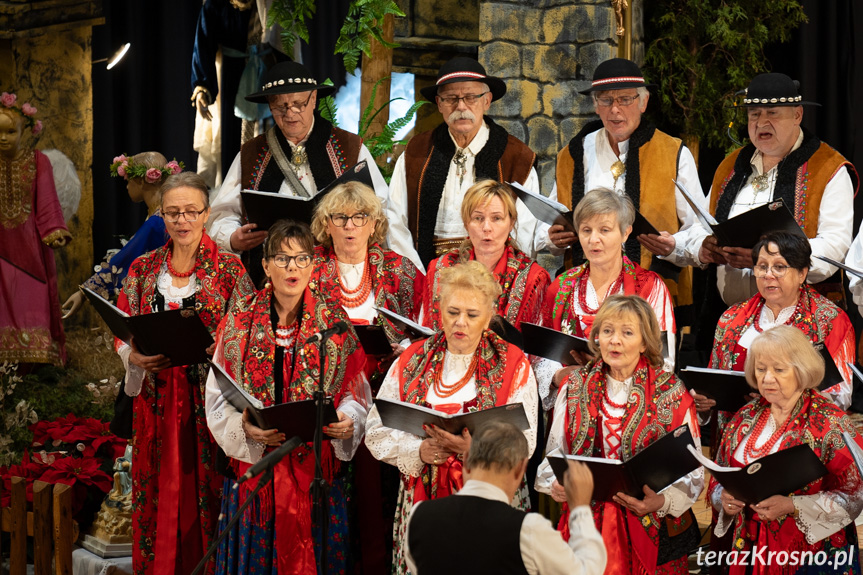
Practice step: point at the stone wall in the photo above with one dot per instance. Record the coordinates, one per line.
(545, 50)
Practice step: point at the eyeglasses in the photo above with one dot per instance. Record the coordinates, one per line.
(284, 260)
(469, 99)
(621, 101)
(359, 219)
(779, 270)
(189, 216)
(295, 108)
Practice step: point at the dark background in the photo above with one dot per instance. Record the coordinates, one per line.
(143, 103)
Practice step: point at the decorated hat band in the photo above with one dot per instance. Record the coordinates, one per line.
(463, 74)
(282, 82)
(617, 80)
(782, 100)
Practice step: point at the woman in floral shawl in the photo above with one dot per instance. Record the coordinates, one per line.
(781, 268)
(261, 344)
(175, 486)
(785, 369)
(614, 407)
(353, 269)
(603, 221)
(465, 367)
(489, 214)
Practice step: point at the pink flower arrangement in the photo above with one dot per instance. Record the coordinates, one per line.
(28, 110)
(37, 128)
(121, 169)
(153, 175)
(8, 99)
(121, 158)
(174, 167)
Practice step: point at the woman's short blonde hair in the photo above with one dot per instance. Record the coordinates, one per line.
(601, 201)
(790, 345)
(343, 198)
(470, 275)
(483, 191)
(617, 306)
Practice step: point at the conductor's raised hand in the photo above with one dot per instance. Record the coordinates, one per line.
(152, 363)
(265, 436)
(577, 484)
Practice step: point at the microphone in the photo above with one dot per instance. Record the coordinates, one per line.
(270, 460)
(339, 328)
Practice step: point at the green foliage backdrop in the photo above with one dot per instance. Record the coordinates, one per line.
(702, 51)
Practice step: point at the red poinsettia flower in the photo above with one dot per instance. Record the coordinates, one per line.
(57, 430)
(72, 470)
(28, 470)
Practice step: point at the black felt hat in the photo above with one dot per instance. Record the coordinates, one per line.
(616, 74)
(774, 90)
(462, 69)
(287, 78)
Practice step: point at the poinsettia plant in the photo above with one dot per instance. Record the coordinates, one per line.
(74, 451)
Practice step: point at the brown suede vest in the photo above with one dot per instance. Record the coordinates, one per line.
(513, 166)
(812, 178)
(658, 161)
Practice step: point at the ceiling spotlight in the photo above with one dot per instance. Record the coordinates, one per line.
(115, 59)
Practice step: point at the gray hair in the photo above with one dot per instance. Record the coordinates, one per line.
(601, 201)
(497, 446)
(789, 343)
(186, 180)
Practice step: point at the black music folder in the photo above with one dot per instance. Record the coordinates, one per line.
(727, 388)
(744, 230)
(374, 339)
(292, 418)
(832, 375)
(779, 473)
(658, 465)
(551, 344)
(266, 208)
(507, 331)
(178, 334)
(410, 417)
(412, 328)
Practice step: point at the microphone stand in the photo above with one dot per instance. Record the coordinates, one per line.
(319, 486)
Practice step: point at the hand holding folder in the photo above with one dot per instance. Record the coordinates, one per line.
(658, 465)
(410, 417)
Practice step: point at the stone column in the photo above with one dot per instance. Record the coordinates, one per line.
(545, 50)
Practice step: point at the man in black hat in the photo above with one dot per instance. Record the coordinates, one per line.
(298, 156)
(621, 153)
(438, 167)
(783, 160)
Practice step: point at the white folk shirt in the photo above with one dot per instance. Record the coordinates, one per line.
(226, 207)
(598, 159)
(835, 229)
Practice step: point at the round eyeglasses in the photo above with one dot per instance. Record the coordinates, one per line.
(359, 219)
(284, 260)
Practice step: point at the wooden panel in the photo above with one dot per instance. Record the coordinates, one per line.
(18, 550)
(42, 528)
(65, 529)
